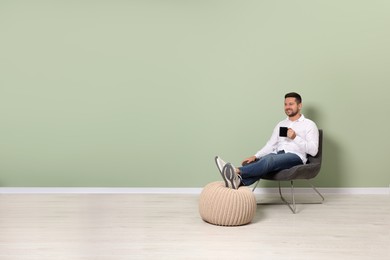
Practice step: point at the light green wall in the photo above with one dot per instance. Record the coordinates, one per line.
(146, 93)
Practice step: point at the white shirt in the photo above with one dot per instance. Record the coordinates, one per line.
(306, 141)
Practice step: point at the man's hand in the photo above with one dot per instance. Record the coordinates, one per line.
(249, 160)
(291, 134)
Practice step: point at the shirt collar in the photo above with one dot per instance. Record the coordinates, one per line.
(300, 119)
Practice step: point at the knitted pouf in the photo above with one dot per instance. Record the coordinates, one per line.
(223, 206)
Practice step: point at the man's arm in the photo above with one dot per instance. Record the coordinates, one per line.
(310, 143)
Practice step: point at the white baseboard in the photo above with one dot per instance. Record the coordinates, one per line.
(97, 190)
(373, 191)
(108, 190)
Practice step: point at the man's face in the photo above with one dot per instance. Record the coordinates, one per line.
(291, 108)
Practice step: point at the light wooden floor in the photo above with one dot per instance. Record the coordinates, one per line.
(152, 226)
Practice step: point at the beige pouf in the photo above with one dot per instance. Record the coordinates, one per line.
(223, 206)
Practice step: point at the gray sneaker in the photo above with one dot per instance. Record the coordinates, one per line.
(220, 164)
(230, 176)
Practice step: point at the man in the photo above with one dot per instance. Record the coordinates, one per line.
(292, 139)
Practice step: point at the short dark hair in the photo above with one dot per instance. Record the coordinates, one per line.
(295, 95)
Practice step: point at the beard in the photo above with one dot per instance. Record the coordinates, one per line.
(291, 113)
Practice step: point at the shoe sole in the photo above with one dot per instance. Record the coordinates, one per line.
(220, 171)
(229, 173)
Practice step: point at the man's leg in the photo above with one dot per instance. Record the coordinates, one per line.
(267, 164)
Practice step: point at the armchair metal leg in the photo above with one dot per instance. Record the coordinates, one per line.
(292, 204)
(315, 189)
(257, 183)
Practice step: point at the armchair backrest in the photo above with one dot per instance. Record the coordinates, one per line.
(318, 157)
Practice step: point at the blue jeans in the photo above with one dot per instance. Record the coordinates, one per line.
(252, 172)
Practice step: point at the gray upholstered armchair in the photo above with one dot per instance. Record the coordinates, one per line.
(305, 172)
